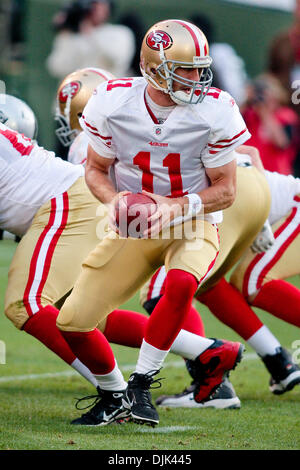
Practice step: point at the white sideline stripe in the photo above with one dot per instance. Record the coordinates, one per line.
(71, 373)
(167, 429)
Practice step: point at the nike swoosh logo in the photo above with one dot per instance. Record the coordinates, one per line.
(127, 404)
(105, 417)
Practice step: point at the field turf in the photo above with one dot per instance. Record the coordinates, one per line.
(38, 391)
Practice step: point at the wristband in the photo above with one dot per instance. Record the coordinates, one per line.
(195, 204)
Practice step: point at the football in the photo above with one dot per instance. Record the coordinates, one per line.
(132, 212)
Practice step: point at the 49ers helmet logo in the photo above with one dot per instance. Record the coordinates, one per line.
(69, 90)
(155, 38)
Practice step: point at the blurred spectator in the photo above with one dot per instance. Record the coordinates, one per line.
(136, 24)
(284, 63)
(284, 53)
(228, 68)
(272, 123)
(12, 35)
(85, 38)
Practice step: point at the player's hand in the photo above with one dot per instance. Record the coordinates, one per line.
(112, 209)
(167, 210)
(264, 240)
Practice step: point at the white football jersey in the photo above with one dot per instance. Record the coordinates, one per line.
(29, 176)
(78, 150)
(283, 190)
(170, 158)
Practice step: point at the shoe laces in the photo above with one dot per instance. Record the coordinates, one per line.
(97, 398)
(147, 381)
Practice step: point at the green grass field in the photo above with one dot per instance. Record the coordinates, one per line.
(38, 391)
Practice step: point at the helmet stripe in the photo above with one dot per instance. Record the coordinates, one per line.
(192, 33)
(102, 73)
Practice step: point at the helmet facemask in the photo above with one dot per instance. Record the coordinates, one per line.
(64, 133)
(198, 88)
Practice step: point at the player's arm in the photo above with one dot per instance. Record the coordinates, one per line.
(221, 193)
(97, 176)
(218, 196)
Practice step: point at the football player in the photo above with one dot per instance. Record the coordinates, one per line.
(168, 134)
(227, 303)
(72, 95)
(46, 202)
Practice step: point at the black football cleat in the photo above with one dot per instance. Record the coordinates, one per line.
(285, 374)
(108, 407)
(142, 409)
(223, 398)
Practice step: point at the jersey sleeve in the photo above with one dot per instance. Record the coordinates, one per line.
(228, 132)
(95, 126)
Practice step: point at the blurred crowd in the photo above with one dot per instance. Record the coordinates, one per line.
(269, 102)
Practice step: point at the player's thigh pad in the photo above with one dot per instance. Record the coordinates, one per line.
(111, 274)
(48, 259)
(194, 255)
(241, 222)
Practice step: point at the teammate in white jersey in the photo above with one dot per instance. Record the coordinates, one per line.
(170, 135)
(45, 201)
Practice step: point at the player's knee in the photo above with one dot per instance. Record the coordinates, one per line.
(180, 285)
(16, 313)
(66, 319)
(63, 323)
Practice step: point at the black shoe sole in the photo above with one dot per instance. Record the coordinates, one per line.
(288, 388)
(125, 415)
(141, 420)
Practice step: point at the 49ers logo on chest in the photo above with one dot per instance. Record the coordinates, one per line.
(69, 91)
(156, 38)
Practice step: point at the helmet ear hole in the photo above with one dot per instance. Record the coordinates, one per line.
(153, 71)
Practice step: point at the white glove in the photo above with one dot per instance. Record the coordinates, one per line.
(264, 240)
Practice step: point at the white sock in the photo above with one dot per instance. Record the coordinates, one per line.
(84, 371)
(189, 345)
(114, 380)
(150, 358)
(264, 342)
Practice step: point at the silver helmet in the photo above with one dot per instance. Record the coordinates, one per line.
(17, 115)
